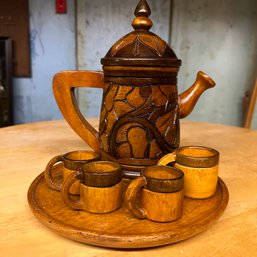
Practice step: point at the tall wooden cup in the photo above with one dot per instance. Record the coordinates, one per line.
(100, 187)
(161, 194)
(200, 166)
(72, 161)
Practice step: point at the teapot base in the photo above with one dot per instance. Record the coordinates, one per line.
(131, 168)
(130, 174)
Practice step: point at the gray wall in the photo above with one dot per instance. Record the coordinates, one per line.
(218, 37)
(52, 49)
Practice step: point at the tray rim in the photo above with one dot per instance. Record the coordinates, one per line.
(106, 240)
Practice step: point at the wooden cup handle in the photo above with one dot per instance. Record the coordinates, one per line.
(48, 172)
(131, 195)
(74, 204)
(64, 84)
(166, 159)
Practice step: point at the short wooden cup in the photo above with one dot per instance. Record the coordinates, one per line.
(161, 194)
(72, 161)
(200, 165)
(100, 187)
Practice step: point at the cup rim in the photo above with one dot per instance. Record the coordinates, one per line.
(164, 185)
(76, 164)
(197, 161)
(66, 155)
(179, 173)
(98, 178)
(116, 170)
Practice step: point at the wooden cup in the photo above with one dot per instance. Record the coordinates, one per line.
(161, 194)
(72, 161)
(200, 166)
(100, 187)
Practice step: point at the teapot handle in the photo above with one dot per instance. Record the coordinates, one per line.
(64, 84)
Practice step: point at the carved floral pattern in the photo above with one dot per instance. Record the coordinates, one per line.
(139, 122)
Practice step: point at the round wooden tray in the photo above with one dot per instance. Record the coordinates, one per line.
(120, 229)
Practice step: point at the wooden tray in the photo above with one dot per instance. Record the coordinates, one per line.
(120, 229)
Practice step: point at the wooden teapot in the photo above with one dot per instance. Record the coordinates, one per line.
(141, 108)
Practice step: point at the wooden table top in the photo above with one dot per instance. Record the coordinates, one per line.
(26, 149)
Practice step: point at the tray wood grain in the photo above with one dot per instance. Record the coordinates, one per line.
(120, 229)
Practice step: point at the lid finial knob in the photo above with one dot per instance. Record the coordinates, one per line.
(142, 12)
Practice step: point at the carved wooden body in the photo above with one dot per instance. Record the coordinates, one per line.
(139, 123)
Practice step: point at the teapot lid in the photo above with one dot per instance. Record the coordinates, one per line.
(141, 47)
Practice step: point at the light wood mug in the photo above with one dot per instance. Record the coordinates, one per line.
(200, 165)
(72, 161)
(160, 190)
(100, 187)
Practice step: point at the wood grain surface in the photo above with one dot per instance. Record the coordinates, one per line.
(120, 229)
(26, 149)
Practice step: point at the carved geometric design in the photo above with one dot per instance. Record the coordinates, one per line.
(150, 41)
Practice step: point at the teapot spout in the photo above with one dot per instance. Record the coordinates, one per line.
(188, 99)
